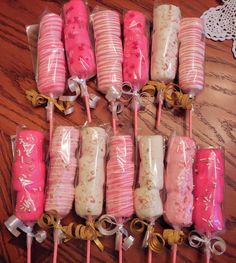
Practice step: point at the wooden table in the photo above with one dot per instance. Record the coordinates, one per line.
(214, 123)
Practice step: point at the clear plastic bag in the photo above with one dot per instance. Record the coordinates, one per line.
(28, 175)
(89, 193)
(208, 191)
(120, 177)
(147, 200)
(164, 59)
(136, 49)
(191, 55)
(79, 49)
(51, 58)
(179, 181)
(32, 32)
(60, 189)
(109, 52)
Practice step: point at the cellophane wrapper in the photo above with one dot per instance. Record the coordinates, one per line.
(63, 163)
(89, 192)
(28, 175)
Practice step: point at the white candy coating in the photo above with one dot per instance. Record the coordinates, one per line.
(91, 172)
(166, 23)
(148, 204)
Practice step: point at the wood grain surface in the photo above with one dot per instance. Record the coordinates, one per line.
(214, 123)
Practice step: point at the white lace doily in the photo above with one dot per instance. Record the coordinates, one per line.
(220, 22)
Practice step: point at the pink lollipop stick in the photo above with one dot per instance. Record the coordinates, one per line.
(190, 124)
(120, 221)
(135, 117)
(50, 112)
(88, 109)
(56, 241)
(88, 245)
(174, 253)
(29, 246)
(158, 122)
(113, 120)
(149, 255)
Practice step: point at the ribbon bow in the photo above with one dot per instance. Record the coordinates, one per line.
(173, 236)
(72, 231)
(152, 239)
(170, 93)
(13, 224)
(135, 95)
(64, 103)
(38, 99)
(108, 226)
(216, 245)
(116, 108)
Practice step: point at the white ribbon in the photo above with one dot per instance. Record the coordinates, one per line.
(215, 244)
(115, 228)
(134, 94)
(116, 108)
(78, 86)
(13, 224)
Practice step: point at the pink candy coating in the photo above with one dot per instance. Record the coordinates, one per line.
(60, 192)
(120, 177)
(208, 193)
(29, 175)
(29, 205)
(109, 53)
(191, 55)
(179, 181)
(51, 57)
(136, 49)
(80, 54)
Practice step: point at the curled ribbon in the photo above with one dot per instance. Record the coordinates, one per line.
(108, 226)
(79, 231)
(116, 108)
(216, 245)
(38, 99)
(73, 230)
(134, 94)
(78, 86)
(13, 224)
(173, 236)
(170, 93)
(152, 239)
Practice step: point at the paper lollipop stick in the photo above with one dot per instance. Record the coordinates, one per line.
(79, 51)
(51, 61)
(191, 59)
(166, 21)
(179, 202)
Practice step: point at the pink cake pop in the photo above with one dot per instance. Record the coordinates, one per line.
(80, 54)
(136, 55)
(120, 179)
(191, 58)
(51, 60)
(60, 191)
(109, 55)
(29, 179)
(208, 196)
(179, 183)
